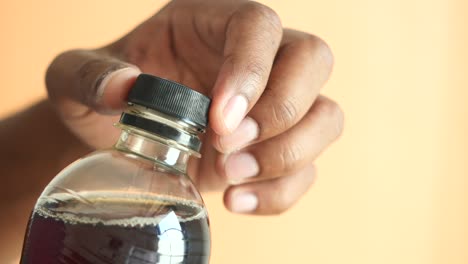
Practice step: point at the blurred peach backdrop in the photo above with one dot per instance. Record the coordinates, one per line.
(392, 190)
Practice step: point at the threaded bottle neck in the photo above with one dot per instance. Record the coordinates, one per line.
(163, 128)
(132, 141)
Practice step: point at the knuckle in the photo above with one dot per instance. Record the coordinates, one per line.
(55, 76)
(288, 190)
(265, 14)
(284, 114)
(51, 76)
(333, 112)
(339, 121)
(291, 156)
(319, 51)
(257, 69)
(283, 199)
(254, 72)
(324, 52)
(279, 208)
(308, 176)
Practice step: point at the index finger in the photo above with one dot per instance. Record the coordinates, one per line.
(253, 34)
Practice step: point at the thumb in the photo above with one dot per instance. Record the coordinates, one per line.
(89, 78)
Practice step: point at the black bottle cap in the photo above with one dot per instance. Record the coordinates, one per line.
(170, 98)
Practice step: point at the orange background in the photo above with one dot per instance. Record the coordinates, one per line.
(392, 190)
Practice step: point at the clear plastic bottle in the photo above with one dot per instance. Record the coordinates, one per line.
(133, 203)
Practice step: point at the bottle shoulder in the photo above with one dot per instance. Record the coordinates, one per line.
(114, 171)
(112, 159)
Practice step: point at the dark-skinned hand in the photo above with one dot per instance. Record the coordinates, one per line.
(268, 121)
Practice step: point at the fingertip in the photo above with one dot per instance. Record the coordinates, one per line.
(245, 134)
(227, 117)
(234, 111)
(114, 88)
(216, 119)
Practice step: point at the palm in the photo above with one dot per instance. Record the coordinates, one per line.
(174, 51)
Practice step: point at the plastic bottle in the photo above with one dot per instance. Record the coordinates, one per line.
(132, 203)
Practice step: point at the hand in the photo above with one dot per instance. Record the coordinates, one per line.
(268, 122)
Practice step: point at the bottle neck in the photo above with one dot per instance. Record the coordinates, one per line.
(160, 126)
(132, 141)
(158, 137)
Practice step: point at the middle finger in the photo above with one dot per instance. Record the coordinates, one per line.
(289, 152)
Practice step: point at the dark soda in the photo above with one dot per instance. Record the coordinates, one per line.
(108, 228)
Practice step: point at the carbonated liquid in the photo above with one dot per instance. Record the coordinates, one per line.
(108, 228)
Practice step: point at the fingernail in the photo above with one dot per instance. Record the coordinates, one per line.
(120, 74)
(240, 166)
(234, 112)
(244, 202)
(110, 94)
(244, 134)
